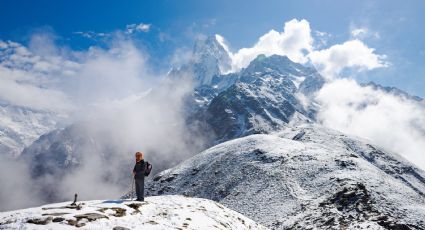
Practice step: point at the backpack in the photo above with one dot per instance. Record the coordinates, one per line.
(148, 168)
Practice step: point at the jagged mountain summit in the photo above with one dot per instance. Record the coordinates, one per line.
(209, 59)
(265, 96)
(304, 177)
(156, 213)
(260, 98)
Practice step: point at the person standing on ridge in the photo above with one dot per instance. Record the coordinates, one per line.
(141, 169)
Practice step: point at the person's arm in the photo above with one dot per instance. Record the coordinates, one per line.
(134, 171)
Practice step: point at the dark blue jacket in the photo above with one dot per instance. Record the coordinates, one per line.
(139, 169)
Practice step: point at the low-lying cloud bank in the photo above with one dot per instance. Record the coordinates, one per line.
(120, 108)
(393, 122)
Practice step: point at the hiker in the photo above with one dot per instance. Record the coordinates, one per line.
(141, 169)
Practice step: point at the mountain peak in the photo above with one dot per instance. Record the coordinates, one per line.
(392, 90)
(278, 63)
(209, 58)
(210, 52)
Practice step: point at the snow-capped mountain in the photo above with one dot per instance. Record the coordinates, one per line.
(304, 177)
(209, 59)
(58, 150)
(161, 212)
(286, 171)
(20, 126)
(260, 98)
(264, 98)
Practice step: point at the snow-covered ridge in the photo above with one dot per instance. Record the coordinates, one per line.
(160, 212)
(305, 177)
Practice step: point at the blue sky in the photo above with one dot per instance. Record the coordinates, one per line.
(395, 28)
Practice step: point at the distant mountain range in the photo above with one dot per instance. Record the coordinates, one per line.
(20, 126)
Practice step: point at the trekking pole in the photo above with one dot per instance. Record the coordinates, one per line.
(132, 190)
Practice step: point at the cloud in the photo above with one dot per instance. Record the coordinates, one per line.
(321, 38)
(17, 190)
(105, 75)
(151, 122)
(390, 121)
(295, 41)
(363, 32)
(28, 80)
(141, 27)
(92, 35)
(129, 30)
(351, 54)
(298, 44)
(28, 95)
(358, 32)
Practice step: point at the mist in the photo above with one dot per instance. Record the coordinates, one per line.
(118, 105)
(393, 122)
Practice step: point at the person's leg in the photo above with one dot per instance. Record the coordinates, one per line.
(137, 185)
(142, 190)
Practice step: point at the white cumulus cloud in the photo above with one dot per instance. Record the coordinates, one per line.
(298, 44)
(295, 41)
(141, 27)
(351, 54)
(364, 32)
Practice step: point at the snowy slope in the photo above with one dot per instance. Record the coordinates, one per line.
(20, 126)
(303, 177)
(161, 212)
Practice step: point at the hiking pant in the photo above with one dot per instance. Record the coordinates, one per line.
(140, 189)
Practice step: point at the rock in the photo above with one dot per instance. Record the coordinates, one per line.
(55, 214)
(120, 228)
(135, 206)
(90, 216)
(58, 219)
(72, 222)
(298, 136)
(40, 221)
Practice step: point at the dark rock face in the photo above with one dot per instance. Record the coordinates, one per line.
(312, 84)
(259, 99)
(240, 111)
(50, 153)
